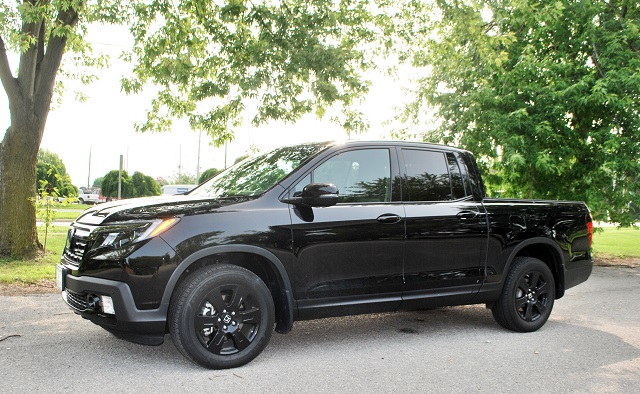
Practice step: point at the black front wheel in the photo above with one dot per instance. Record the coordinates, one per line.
(527, 296)
(221, 316)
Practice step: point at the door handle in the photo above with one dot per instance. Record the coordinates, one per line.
(464, 215)
(389, 218)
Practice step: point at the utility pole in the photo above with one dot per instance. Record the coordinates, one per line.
(120, 179)
(180, 165)
(198, 165)
(89, 172)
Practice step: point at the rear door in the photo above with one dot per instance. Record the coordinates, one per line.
(444, 229)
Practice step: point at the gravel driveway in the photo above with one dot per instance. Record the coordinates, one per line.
(590, 344)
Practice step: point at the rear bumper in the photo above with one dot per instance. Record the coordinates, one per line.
(577, 272)
(141, 326)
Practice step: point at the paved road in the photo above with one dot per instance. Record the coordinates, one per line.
(590, 344)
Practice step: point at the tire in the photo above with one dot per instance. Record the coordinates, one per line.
(221, 317)
(80, 201)
(527, 296)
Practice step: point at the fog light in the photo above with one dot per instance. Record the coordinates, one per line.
(107, 305)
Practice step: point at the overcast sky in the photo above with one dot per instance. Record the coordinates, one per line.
(104, 125)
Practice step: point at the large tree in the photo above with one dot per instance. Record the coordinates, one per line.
(39, 31)
(545, 92)
(207, 60)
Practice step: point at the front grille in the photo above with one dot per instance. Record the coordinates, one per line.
(77, 301)
(76, 250)
(77, 245)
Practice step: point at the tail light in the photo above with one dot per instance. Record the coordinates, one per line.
(590, 229)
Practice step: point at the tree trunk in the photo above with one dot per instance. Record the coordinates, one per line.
(18, 159)
(29, 100)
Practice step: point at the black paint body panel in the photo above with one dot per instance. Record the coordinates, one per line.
(338, 260)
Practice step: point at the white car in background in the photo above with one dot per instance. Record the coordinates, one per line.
(176, 189)
(90, 196)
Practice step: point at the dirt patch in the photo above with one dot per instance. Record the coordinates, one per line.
(15, 289)
(47, 286)
(625, 262)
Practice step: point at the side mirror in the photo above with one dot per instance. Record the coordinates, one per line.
(315, 195)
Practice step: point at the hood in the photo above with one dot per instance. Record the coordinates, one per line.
(145, 208)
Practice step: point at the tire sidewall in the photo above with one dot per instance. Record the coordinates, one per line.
(521, 268)
(190, 297)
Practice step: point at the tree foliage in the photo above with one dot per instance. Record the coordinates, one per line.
(208, 174)
(183, 178)
(206, 60)
(109, 186)
(290, 57)
(137, 185)
(240, 158)
(546, 93)
(51, 169)
(97, 182)
(144, 185)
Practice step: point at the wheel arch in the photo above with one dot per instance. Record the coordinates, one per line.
(546, 251)
(259, 261)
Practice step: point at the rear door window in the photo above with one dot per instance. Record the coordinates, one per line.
(431, 176)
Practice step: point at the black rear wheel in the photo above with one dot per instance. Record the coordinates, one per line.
(221, 316)
(527, 296)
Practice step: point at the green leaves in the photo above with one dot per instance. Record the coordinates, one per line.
(546, 93)
(137, 185)
(289, 58)
(51, 176)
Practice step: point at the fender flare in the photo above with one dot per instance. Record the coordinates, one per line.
(287, 290)
(559, 269)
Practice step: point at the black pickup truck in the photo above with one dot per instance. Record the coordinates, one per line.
(318, 230)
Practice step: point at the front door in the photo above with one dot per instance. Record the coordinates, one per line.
(348, 257)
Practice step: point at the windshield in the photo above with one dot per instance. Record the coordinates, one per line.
(256, 175)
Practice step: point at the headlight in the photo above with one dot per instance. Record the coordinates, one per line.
(120, 235)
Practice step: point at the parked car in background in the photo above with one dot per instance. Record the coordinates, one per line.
(90, 196)
(319, 230)
(177, 189)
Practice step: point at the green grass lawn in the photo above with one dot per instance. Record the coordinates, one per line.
(617, 242)
(611, 242)
(72, 207)
(33, 271)
(66, 214)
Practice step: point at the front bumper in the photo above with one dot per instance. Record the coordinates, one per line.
(141, 326)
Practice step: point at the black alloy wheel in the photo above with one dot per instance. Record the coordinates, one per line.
(527, 297)
(222, 317)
